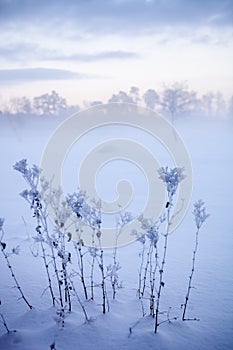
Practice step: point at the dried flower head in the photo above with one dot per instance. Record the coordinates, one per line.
(21, 166)
(171, 178)
(199, 213)
(88, 214)
(153, 235)
(30, 174)
(124, 218)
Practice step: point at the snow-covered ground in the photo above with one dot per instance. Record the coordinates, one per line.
(210, 144)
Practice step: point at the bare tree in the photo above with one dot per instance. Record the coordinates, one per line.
(151, 98)
(134, 93)
(207, 103)
(49, 104)
(178, 99)
(19, 105)
(230, 107)
(220, 104)
(121, 97)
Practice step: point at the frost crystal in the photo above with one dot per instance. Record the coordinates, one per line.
(199, 213)
(89, 215)
(124, 218)
(93, 251)
(141, 239)
(151, 228)
(30, 174)
(171, 178)
(21, 166)
(24, 194)
(153, 235)
(55, 199)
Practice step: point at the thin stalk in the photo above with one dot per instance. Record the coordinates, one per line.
(79, 300)
(47, 272)
(4, 323)
(190, 280)
(140, 272)
(93, 266)
(50, 243)
(64, 269)
(114, 269)
(78, 249)
(161, 271)
(146, 270)
(101, 266)
(14, 277)
(153, 268)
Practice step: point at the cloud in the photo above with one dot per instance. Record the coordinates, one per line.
(109, 16)
(107, 55)
(16, 51)
(37, 74)
(23, 51)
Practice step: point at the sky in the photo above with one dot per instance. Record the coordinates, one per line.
(90, 49)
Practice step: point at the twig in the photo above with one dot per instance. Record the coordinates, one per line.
(4, 323)
(3, 245)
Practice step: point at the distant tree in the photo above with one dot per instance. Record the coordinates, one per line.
(178, 99)
(151, 98)
(122, 97)
(95, 103)
(213, 104)
(19, 105)
(230, 108)
(220, 104)
(207, 103)
(134, 93)
(49, 104)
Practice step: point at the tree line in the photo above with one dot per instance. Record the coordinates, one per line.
(175, 100)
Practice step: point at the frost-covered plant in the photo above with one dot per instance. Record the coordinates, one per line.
(33, 197)
(9, 265)
(100, 259)
(148, 237)
(171, 179)
(90, 216)
(85, 216)
(200, 216)
(122, 220)
(52, 239)
(59, 238)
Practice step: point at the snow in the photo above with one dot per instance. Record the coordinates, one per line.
(210, 144)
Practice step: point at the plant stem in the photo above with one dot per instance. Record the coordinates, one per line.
(47, 272)
(43, 222)
(4, 323)
(140, 272)
(190, 278)
(146, 269)
(15, 279)
(79, 300)
(101, 266)
(153, 269)
(78, 249)
(161, 271)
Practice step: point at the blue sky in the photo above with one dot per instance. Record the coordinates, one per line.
(89, 49)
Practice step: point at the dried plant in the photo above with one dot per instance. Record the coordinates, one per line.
(200, 216)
